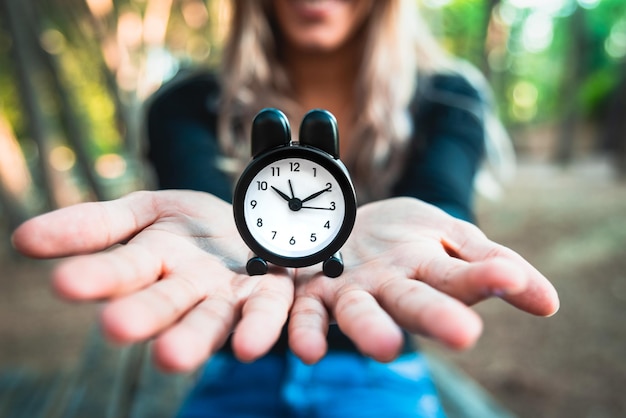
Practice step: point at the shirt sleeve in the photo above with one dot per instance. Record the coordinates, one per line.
(182, 141)
(447, 147)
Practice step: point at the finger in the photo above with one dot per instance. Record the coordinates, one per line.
(200, 333)
(371, 329)
(143, 314)
(103, 275)
(308, 327)
(85, 227)
(471, 282)
(263, 316)
(420, 309)
(539, 298)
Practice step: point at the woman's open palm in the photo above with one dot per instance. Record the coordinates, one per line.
(179, 276)
(409, 265)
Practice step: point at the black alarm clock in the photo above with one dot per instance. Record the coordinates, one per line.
(294, 204)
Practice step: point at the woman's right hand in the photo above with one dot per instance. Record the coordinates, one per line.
(170, 265)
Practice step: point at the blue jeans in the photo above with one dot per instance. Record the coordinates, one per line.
(341, 385)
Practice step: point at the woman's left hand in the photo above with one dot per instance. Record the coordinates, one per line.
(410, 265)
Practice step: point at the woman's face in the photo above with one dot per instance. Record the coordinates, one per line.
(320, 25)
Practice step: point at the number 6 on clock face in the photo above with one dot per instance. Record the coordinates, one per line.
(294, 205)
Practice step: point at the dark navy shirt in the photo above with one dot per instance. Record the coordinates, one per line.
(445, 151)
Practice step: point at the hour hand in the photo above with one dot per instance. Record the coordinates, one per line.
(283, 195)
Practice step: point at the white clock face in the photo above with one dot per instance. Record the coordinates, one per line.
(294, 207)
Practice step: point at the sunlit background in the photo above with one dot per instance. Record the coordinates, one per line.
(74, 76)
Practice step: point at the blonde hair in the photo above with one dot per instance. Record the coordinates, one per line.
(398, 46)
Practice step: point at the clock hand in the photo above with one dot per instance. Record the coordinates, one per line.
(291, 189)
(315, 207)
(295, 204)
(283, 195)
(314, 195)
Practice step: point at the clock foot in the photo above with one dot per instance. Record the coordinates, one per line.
(256, 266)
(333, 267)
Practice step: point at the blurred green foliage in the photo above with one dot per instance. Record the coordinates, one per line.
(556, 47)
(463, 25)
(94, 62)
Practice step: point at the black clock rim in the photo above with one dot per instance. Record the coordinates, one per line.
(336, 169)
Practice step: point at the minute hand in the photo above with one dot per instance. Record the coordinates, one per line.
(314, 195)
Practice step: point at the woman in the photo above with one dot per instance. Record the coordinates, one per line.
(409, 126)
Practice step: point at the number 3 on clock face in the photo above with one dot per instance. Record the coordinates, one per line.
(294, 207)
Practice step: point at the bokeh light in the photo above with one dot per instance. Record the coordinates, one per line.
(524, 98)
(62, 158)
(53, 41)
(111, 166)
(538, 32)
(436, 4)
(130, 29)
(615, 44)
(100, 8)
(195, 14)
(588, 4)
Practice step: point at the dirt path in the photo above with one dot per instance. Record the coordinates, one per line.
(37, 330)
(570, 224)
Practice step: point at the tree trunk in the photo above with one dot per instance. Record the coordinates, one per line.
(74, 134)
(614, 128)
(490, 5)
(15, 180)
(101, 37)
(575, 63)
(25, 66)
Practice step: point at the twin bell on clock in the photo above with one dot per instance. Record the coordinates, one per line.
(295, 204)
